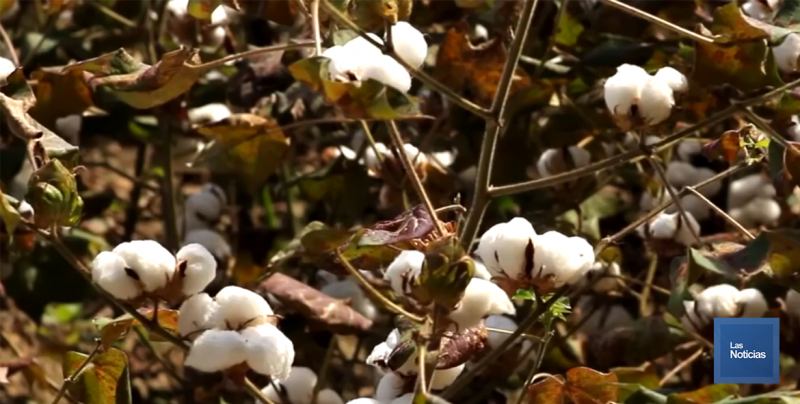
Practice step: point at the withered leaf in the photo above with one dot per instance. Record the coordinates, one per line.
(99, 383)
(458, 348)
(727, 146)
(332, 314)
(582, 386)
(414, 223)
(706, 395)
(113, 329)
(59, 94)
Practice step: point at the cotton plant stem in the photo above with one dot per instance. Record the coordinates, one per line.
(254, 52)
(686, 362)
(256, 392)
(411, 172)
(419, 74)
(536, 365)
(658, 21)
(374, 292)
(12, 53)
(482, 197)
(507, 332)
(315, 28)
(322, 375)
(722, 213)
(74, 375)
(647, 284)
(676, 200)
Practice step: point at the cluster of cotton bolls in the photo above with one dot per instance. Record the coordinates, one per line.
(373, 162)
(554, 161)
(671, 227)
(143, 268)
(359, 60)
(181, 24)
(298, 388)
(234, 330)
(683, 174)
(518, 258)
(635, 98)
(202, 211)
(722, 301)
(751, 201)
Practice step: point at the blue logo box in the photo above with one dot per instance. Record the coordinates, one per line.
(746, 350)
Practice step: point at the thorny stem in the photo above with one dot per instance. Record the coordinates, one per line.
(419, 74)
(494, 125)
(722, 213)
(12, 53)
(495, 353)
(71, 378)
(374, 292)
(394, 134)
(254, 52)
(315, 27)
(662, 175)
(658, 21)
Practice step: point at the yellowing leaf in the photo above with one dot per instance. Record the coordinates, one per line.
(10, 216)
(99, 381)
(582, 386)
(202, 9)
(59, 94)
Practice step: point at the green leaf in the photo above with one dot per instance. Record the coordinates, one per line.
(103, 381)
(202, 9)
(9, 213)
(710, 394)
(524, 294)
(113, 329)
(569, 29)
(784, 252)
(632, 379)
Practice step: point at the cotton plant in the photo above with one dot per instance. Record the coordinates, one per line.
(144, 269)
(553, 161)
(360, 60)
(518, 258)
(751, 201)
(671, 227)
(636, 99)
(722, 301)
(234, 332)
(298, 388)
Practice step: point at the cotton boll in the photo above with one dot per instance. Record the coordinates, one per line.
(269, 352)
(759, 10)
(364, 400)
(298, 386)
(389, 72)
(379, 355)
(503, 248)
(409, 44)
(495, 339)
(718, 301)
(371, 160)
(6, 68)
(443, 378)
(212, 241)
(690, 320)
(389, 387)
(216, 350)
(674, 79)
(747, 188)
(480, 270)
(359, 45)
(623, 90)
(686, 231)
(445, 158)
(752, 303)
(671, 226)
(793, 303)
(481, 298)
(403, 270)
(328, 396)
(608, 273)
(108, 272)
(69, 127)
(413, 153)
(552, 161)
(787, 53)
(153, 264)
(564, 260)
(209, 113)
(682, 174)
(178, 8)
(196, 314)
(220, 16)
(687, 148)
(759, 211)
(238, 306)
(197, 267)
(656, 102)
(693, 205)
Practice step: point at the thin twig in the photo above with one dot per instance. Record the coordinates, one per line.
(658, 289)
(394, 134)
(254, 52)
(658, 21)
(315, 28)
(482, 196)
(648, 283)
(113, 14)
(686, 362)
(374, 292)
(256, 392)
(323, 370)
(74, 375)
(722, 213)
(10, 45)
(676, 200)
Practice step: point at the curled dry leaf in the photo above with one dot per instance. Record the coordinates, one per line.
(105, 381)
(582, 386)
(53, 88)
(414, 223)
(332, 314)
(112, 330)
(727, 146)
(458, 348)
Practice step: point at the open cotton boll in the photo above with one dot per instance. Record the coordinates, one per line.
(238, 306)
(561, 259)
(682, 174)
(759, 211)
(197, 267)
(413, 153)
(403, 270)
(298, 386)
(389, 72)
(196, 314)
(481, 298)
(552, 161)
(623, 90)
(389, 387)
(752, 303)
(607, 273)
(792, 301)
(69, 127)
(787, 52)
(688, 148)
(178, 8)
(760, 11)
(216, 350)
(153, 264)
(360, 45)
(371, 160)
(409, 44)
(671, 226)
(269, 352)
(108, 272)
(212, 241)
(209, 113)
(495, 339)
(656, 101)
(718, 301)
(748, 188)
(208, 204)
(503, 248)
(443, 378)
(480, 270)
(674, 79)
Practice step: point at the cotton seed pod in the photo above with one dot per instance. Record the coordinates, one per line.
(209, 113)
(110, 274)
(53, 193)
(718, 301)
(624, 93)
(674, 79)
(403, 272)
(481, 298)
(239, 306)
(553, 162)
(268, 351)
(793, 303)
(197, 268)
(691, 320)
(388, 71)
(409, 44)
(149, 262)
(390, 387)
(371, 160)
(217, 350)
(197, 314)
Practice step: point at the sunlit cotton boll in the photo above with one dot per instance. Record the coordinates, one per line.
(674, 79)
(759, 211)
(197, 267)
(481, 298)
(553, 161)
(298, 387)
(634, 97)
(108, 272)
(752, 303)
(380, 355)
(561, 259)
(197, 314)
(269, 352)
(348, 62)
(152, 264)
(371, 159)
(239, 306)
(718, 301)
(503, 247)
(216, 350)
(209, 113)
(404, 270)
(388, 71)
(656, 102)
(409, 44)
(671, 226)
